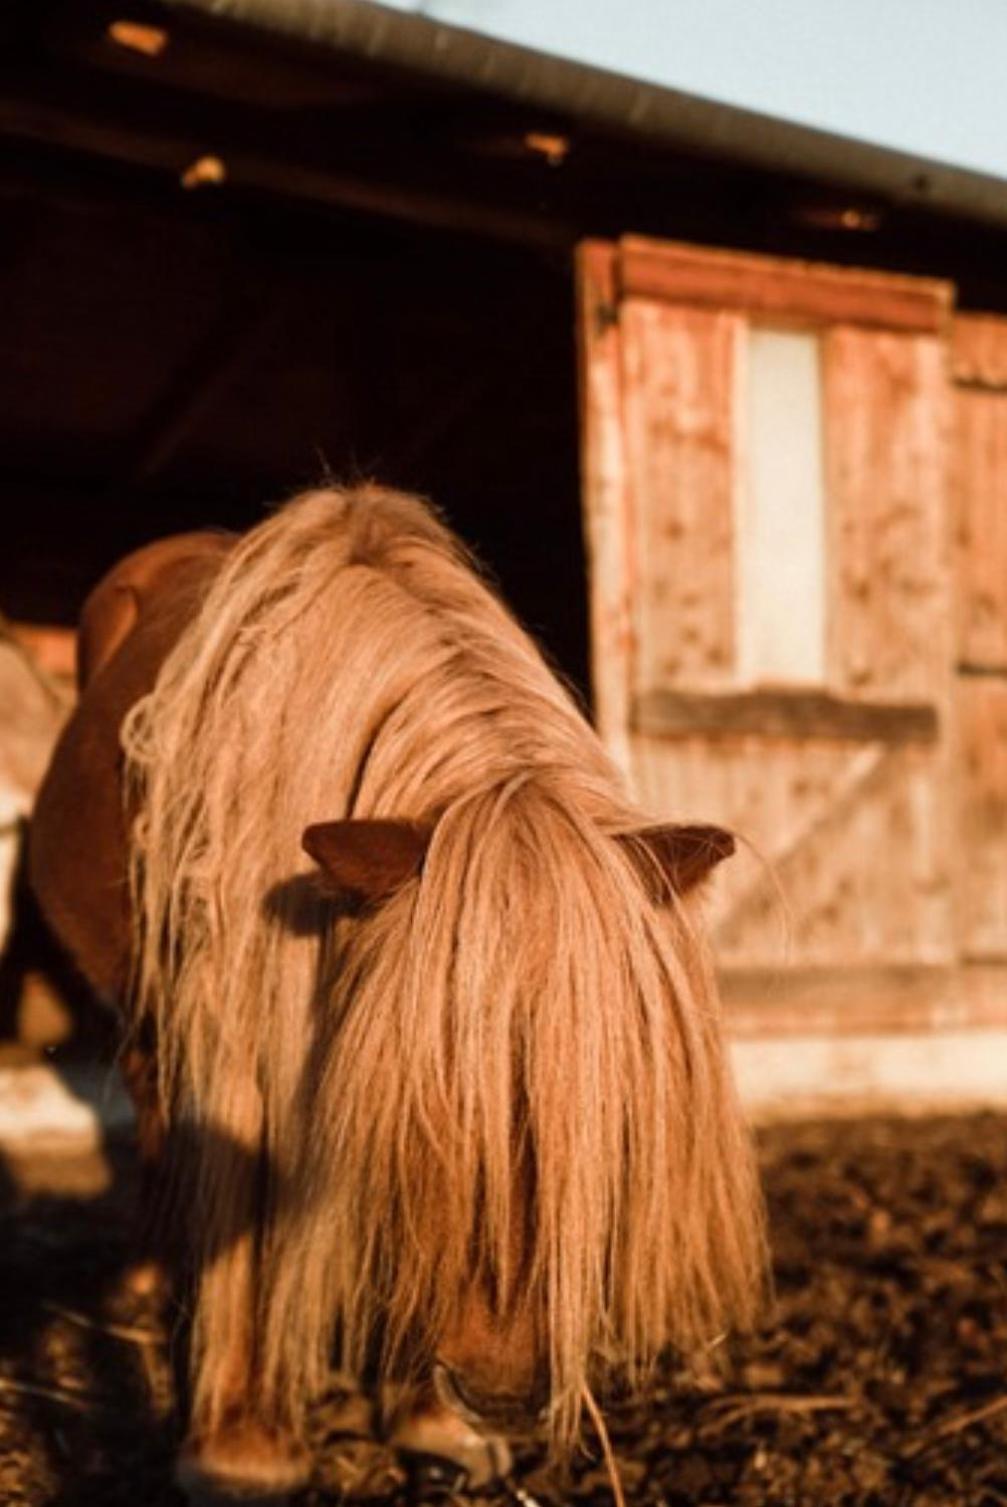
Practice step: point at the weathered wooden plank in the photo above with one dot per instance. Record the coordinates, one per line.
(781, 290)
(843, 789)
(982, 741)
(33, 708)
(766, 794)
(930, 1071)
(979, 512)
(53, 648)
(611, 563)
(867, 881)
(851, 860)
(886, 448)
(979, 350)
(796, 714)
(854, 1001)
(678, 407)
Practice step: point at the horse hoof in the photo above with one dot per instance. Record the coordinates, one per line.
(434, 1475)
(242, 1464)
(443, 1453)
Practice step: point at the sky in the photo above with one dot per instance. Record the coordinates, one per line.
(923, 76)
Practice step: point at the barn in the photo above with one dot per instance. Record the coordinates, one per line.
(721, 399)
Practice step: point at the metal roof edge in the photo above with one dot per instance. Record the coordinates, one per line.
(466, 58)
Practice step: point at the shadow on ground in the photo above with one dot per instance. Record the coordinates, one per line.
(880, 1381)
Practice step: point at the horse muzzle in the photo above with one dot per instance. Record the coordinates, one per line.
(487, 1408)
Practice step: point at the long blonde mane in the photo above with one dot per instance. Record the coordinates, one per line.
(518, 1040)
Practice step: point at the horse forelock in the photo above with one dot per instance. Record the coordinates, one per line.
(508, 1078)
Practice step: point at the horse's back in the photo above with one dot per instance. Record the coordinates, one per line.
(77, 844)
(139, 585)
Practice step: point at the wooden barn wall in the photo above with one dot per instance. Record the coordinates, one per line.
(679, 375)
(885, 402)
(876, 803)
(979, 518)
(982, 829)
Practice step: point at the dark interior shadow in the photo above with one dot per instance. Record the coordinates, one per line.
(33, 954)
(97, 1365)
(100, 1365)
(87, 1367)
(94, 1366)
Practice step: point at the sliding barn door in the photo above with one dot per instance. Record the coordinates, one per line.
(767, 463)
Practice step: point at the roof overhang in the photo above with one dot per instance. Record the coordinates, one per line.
(452, 55)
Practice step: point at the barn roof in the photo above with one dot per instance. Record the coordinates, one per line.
(363, 111)
(638, 102)
(248, 238)
(893, 74)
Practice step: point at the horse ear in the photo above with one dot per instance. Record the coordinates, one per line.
(365, 862)
(685, 855)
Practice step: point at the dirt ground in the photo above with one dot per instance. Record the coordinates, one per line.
(881, 1378)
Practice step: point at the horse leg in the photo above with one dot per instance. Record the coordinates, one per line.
(239, 1445)
(232, 1451)
(147, 1277)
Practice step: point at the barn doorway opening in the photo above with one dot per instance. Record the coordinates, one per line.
(177, 359)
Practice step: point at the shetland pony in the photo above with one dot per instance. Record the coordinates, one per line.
(414, 1003)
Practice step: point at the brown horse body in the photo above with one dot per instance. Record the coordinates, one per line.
(78, 855)
(245, 1432)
